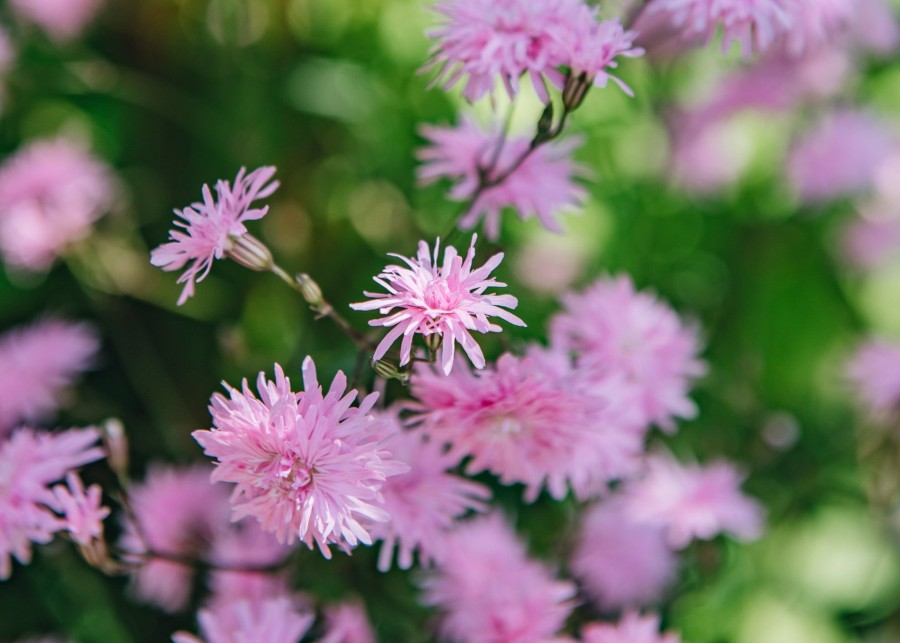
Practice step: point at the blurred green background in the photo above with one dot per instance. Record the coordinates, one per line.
(177, 93)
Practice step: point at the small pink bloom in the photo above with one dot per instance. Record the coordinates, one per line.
(534, 421)
(51, 192)
(875, 372)
(30, 461)
(542, 186)
(622, 563)
(446, 299)
(815, 23)
(840, 155)
(592, 48)
(61, 19)
(873, 239)
(423, 502)
(755, 24)
(693, 502)
(347, 623)
(283, 619)
(633, 335)
(38, 364)
(490, 591)
(209, 228)
(632, 628)
(178, 512)
(308, 466)
(81, 511)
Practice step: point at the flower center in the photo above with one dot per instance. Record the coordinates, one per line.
(439, 296)
(295, 473)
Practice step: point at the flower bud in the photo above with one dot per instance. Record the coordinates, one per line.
(389, 371)
(116, 446)
(575, 89)
(249, 252)
(310, 290)
(433, 342)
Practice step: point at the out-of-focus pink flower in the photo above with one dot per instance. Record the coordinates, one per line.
(347, 623)
(81, 510)
(178, 512)
(874, 26)
(51, 191)
(550, 264)
(423, 502)
(30, 461)
(840, 155)
(283, 619)
(308, 466)
(37, 364)
(7, 52)
(210, 228)
(61, 19)
(874, 370)
(815, 23)
(873, 238)
(618, 330)
(691, 502)
(486, 41)
(532, 420)
(622, 563)
(702, 160)
(491, 592)
(541, 186)
(755, 24)
(632, 628)
(445, 299)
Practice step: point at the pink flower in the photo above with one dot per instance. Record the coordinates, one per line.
(875, 372)
(633, 335)
(491, 592)
(61, 19)
(632, 628)
(178, 512)
(541, 186)
(872, 240)
(839, 155)
(29, 462)
(622, 563)
(284, 619)
(816, 22)
(756, 24)
(347, 623)
(423, 502)
(690, 501)
(534, 421)
(446, 300)
(37, 364)
(308, 466)
(81, 511)
(51, 191)
(211, 227)
(592, 48)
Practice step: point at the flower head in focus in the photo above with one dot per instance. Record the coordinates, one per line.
(51, 191)
(308, 466)
(61, 19)
(632, 628)
(37, 364)
(490, 591)
(619, 330)
(30, 461)
(214, 228)
(693, 502)
(542, 186)
(443, 299)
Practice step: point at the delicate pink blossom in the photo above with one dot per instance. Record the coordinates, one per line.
(755, 24)
(81, 511)
(51, 191)
(874, 370)
(542, 186)
(815, 23)
(445, 299)
(840, 155)
(307, 465)
(621, 331)
(30, 461)
(622, 563)
(347, 623)
(38, 363)
(490, 591)
(61, 19)
(178, 512)
(632, 628)
(693, 502)
(534, 421)
(210, 228)
(872, 240)
(423, 502)
(283, 619)
(592, 48)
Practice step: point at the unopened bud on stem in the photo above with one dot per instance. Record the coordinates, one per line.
(389, 371)
(249, 252)
(575, 89)
(116, 446)
(310, 290)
